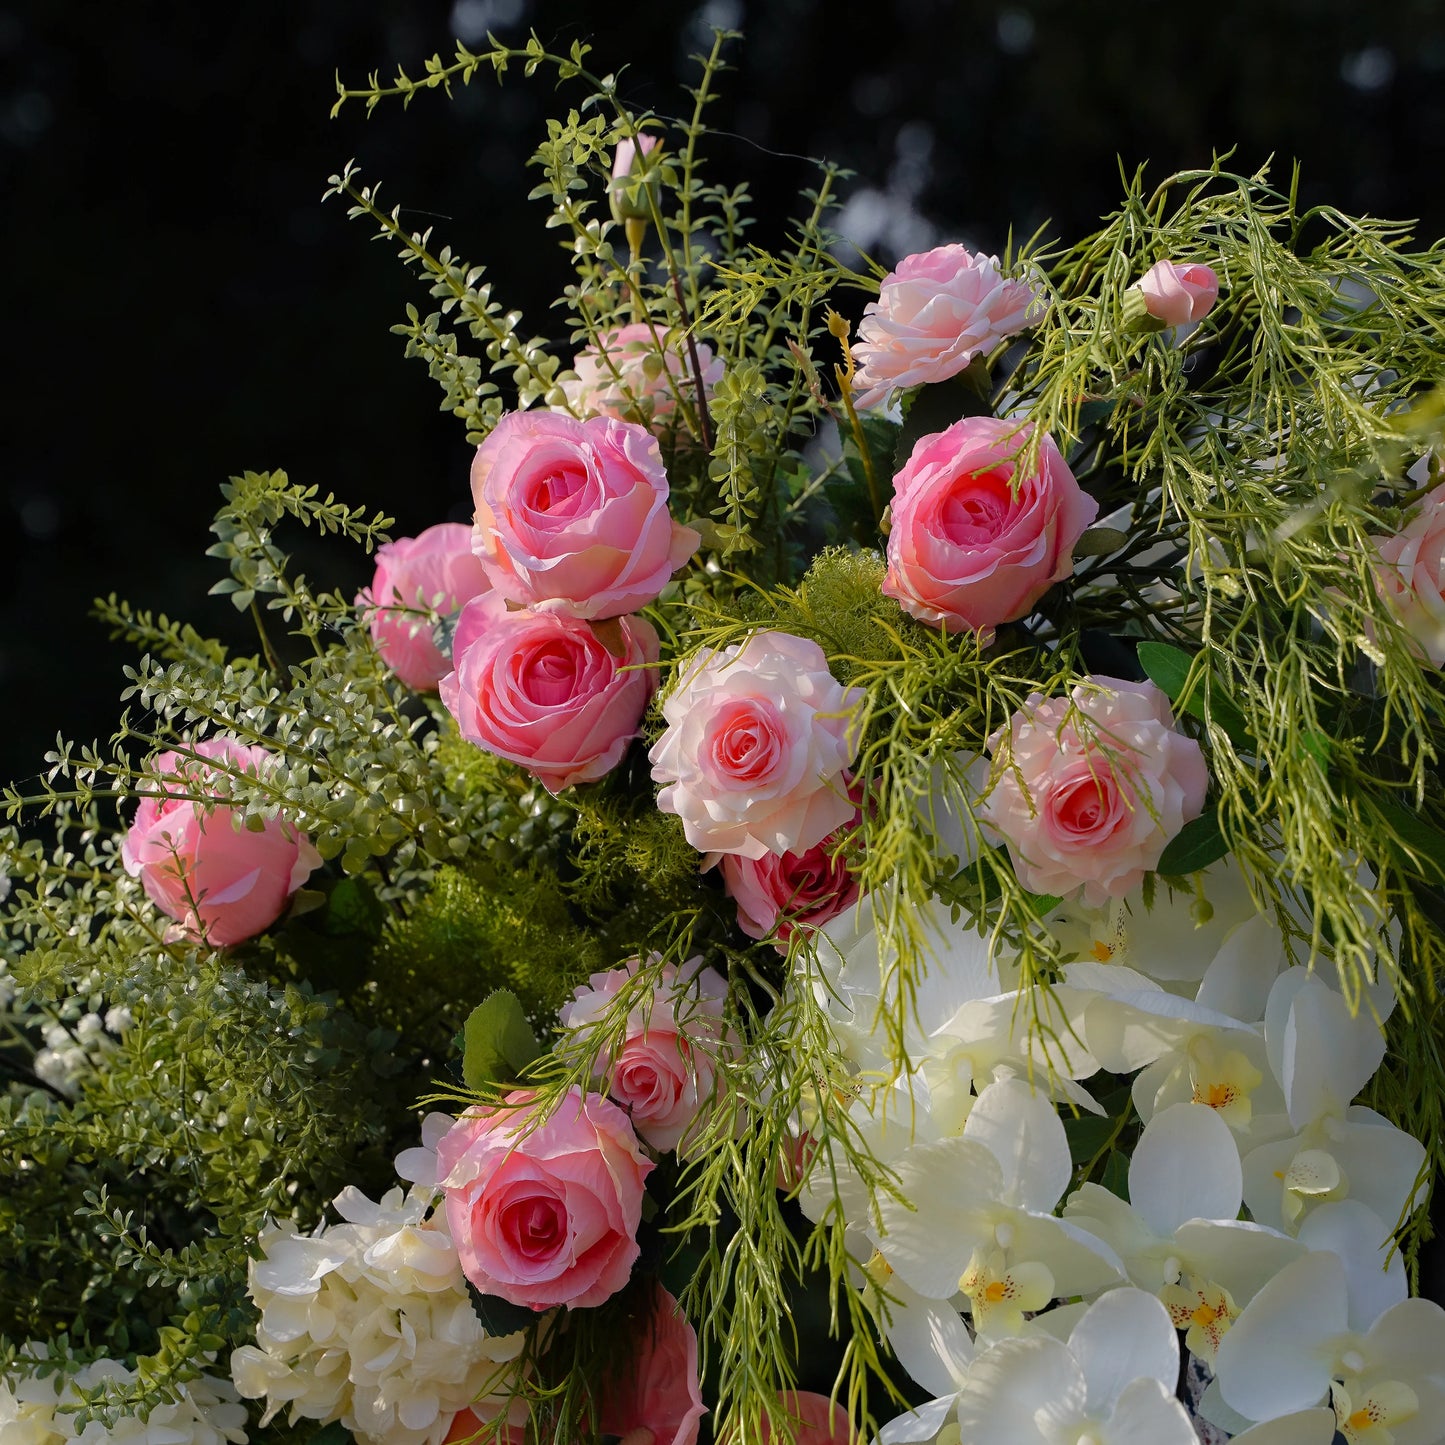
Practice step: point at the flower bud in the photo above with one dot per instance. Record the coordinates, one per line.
(631, 193)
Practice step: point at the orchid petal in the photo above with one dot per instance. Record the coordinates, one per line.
(1185, 1166)
(1009, 1383)
(1374, 1268)
(1124, 1335)
(1023, 1131)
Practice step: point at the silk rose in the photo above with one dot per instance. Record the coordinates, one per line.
(220, 881)
(976, 540)
(1093, 786)
(572, 515)
(626, 375)
(1177, 295)
(758, 739)
(548, 1215)
(1410, 576)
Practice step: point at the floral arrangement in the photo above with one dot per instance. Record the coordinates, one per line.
(888, 886)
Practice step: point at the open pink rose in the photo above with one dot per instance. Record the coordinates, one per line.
(572, 515)
(816, 1419)
(221, 882)
(661, 1393)
(974, 541)
(1177, 295)
(1093, 787)
(546, 692)
(935, 313)
(758, 739)
(546, 1216)
(625, 375)
(778, 893)
(666, 1070)
(435, 572)
(1410, 576)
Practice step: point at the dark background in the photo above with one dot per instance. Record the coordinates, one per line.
(179, 305)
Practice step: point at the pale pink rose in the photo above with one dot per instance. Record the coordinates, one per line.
(777, 893)
(1093, 787)
(435, 572)
(759, 738)
(625, 156)
(1177, 295)
(546, 692)
(572, 515)
(548, 1215)
(974, 541)
(221, 882)
(935, 313)
(629, 162)
(816, 1419)
(667, 1068)
(1410, 576)
(661, 1392)
(626, 376)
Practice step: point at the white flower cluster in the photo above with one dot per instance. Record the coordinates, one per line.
(1244, 1073)
(369, 1322)
(33, 1410)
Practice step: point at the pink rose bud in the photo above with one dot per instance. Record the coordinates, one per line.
(935, 313)
(220, 881)
(759, 738)
(572, 515)
(626, 376)
(660, 1394)
(777, 894)
(667, 1068)
(1093, 787)
(545, 691)
(1410, 577)
(629, 162)
(435, 572)
(544, 1215)
(1176, 295)
(975, 542)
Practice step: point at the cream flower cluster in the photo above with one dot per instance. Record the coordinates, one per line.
(33, 1410)
(368, 1322)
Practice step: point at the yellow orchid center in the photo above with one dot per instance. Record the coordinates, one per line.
(1223, 1082)
(1000, 1293)
(1366, 1421)
(1313, 1176)
(1202, 1308)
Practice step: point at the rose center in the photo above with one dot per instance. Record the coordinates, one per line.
(747, 743)
(977, 508)
(549, 675)
(557, 492)
(1085, 806)
(537, 1227)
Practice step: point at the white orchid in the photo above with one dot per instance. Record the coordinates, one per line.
(979, 1214)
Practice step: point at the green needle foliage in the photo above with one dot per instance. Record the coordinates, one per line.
(1244, 471)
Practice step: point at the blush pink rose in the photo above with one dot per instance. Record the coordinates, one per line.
(626, 376)
(435, 572)
(572, 515)
(661, 1394)
(220, 881)
(759, 738)
(1093, 787)
(546, 692)
(629, 162)
(816, 1419)
(935, 313)
(667, 1068)
(1177, 295)
(974, 540)
(776, 894)
(1410, 576)
(548, 1215)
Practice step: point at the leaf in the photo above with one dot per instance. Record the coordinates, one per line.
(1099, 542)
(499, 1042)
(500, 1317)
(1087, 1134)
(1171, 668)
(353, 910)
(1196, 845)
(1425, 842)
(1115, 1177)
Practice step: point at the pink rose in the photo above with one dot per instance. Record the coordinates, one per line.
(626, 376)
(758, 739)
(933, 315)
(974, 541)
(816, 1419)
(1176, 295)
(435, 572)
(220, 881)
(662, 1393)
(1093, 787)
(629, 163)
(548, 1215)
(544, 691)
(572, 515)
(778, 893)
(666, 1070)
(1410, 576)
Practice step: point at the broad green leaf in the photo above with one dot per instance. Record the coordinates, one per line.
(500, 1317)
(1424, 841)
(1196, 845)
(499, 1042)
(1170, 668)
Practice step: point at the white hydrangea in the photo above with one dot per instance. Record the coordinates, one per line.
(32, 1410)
(369, 1322)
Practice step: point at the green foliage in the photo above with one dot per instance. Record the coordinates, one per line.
(497, 1045)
